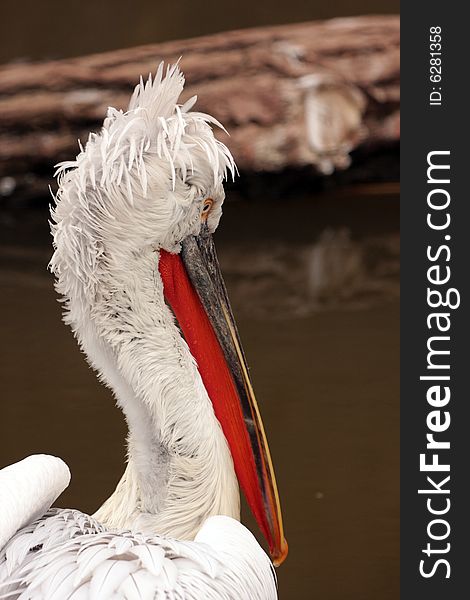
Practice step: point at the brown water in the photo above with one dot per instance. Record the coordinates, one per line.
(314, 284)
(55, 28)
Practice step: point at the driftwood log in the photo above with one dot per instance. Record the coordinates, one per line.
(290, 96)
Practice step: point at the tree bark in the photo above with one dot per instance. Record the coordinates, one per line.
(290, 96)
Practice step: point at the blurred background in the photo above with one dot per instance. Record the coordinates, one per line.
(309, 245)
(58, 29)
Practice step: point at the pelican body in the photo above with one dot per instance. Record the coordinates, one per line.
(136, 267)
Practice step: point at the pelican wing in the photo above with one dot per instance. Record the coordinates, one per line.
(69, 555)
(27, 490)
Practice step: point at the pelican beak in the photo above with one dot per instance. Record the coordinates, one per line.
(195, 290)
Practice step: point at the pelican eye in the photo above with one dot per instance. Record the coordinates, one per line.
(206, 208)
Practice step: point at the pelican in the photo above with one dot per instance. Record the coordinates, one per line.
(136, 267)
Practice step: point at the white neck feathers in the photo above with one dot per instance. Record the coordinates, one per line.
(180, 469)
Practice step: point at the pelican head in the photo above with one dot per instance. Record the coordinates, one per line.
(133, 236)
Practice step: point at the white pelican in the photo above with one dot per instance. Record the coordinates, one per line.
(135, 264)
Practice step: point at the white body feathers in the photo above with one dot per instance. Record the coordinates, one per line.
(69, 555)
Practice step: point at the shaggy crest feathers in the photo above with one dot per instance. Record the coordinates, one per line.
(154, 124)
(135, 182)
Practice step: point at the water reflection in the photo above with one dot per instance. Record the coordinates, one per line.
(332, 272)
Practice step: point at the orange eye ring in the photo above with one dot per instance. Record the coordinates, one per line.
(206, 208)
